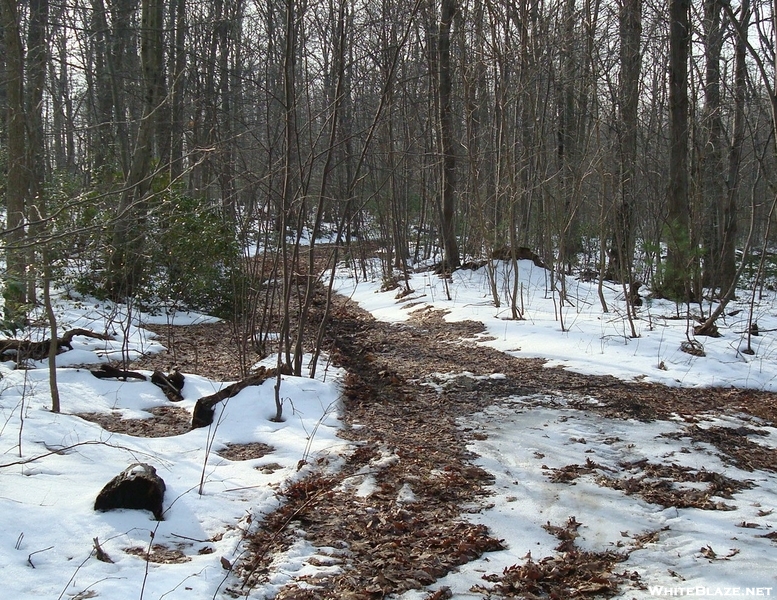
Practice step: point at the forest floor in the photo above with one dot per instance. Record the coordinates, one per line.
(407, 432)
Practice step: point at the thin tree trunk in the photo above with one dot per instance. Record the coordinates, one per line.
(177, 90)
(712, 167)
(289, 126)
(341, 37)
(53, 344)
(37, 59)
(622, 254)
(729, 220)
(452, 259)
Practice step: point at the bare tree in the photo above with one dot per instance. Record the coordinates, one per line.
(126, 265)
(630, 28)
(447, 152)
(713, 170)
(15, 291)
(677, 276)
(728, 226)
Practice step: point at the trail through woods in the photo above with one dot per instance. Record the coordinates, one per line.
(393, 517)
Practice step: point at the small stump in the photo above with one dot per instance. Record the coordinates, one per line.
(137, 487)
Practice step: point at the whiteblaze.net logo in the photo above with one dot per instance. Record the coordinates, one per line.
(710, 592)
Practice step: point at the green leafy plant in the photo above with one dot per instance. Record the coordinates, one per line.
(192, 256)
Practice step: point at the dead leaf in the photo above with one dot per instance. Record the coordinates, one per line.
(708, 552)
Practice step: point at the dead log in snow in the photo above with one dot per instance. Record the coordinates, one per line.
(171, 384)
(138, 486)
(111, 372)
(26, 349)
(204, 409)
(23, 349)
(68, 336)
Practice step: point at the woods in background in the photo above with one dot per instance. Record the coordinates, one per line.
(195, 151)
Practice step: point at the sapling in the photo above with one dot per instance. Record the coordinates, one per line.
(310, 436)
(53, 345)
(212, 429)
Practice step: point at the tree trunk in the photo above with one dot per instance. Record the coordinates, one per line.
(622, 253)
(15, 291)
(290, 135)
(62, 103)
(448, 156)
(126, 265)
(178, 61)
(677, 279)
(729, 211)
(568, 133)
(37, 59)
(712, 168)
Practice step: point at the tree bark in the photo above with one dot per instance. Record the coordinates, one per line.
(126, 265)
(622, 254)
(677, 280)
(729, 220)
(37, 59)
(15, 291)
(452, 259)
(713, 169)
(177, 88)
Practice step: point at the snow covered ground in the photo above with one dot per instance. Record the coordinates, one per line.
(53, 465)
(698, 553)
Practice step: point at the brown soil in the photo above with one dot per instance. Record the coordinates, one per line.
(211, 350)
(162, 421)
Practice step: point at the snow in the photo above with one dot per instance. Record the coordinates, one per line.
(53, 465)
(524, 437)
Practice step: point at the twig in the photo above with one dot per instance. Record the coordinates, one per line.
(282, 528)
(191, 539)
(73, 576)
(65, 449)
(29, 557)
(101, 554)
(212, 430)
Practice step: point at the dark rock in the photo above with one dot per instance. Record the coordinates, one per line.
(137, 487)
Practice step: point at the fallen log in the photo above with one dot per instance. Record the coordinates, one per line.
(27, 349)
(111, 372)
(24, 349)
(68, 336)
(171, 384)
(137, 487)
(204, 408)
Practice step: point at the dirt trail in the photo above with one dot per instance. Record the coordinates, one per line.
(393, 516)
(395, 508)
(406, 397)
